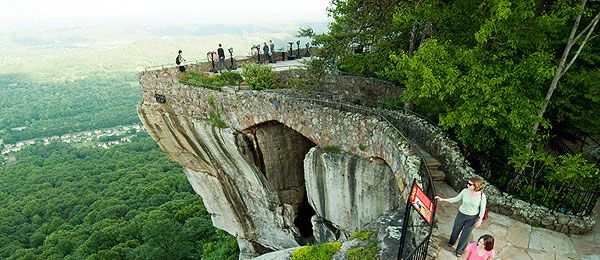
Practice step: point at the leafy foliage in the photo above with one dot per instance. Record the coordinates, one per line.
(364, 253)
(361, 36)
(318, 252)
(332, 149)
(31, 110)
(126, 202)
(197, 79)
(481, 71)
(259, 76)
(214, 115)
(362, 235)
(228, 78)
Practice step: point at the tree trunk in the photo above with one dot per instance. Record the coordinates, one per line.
(412, 47)
(563, 67)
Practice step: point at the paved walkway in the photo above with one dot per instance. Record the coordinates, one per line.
(288, 64)
(517, 240)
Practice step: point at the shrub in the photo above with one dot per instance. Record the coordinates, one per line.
(214, 115)
(318, 252)
(258, 76)
(556, 182)
(332, 149)
(362, 147)
(228, 78)
(197, 79)
(361, 253)
(362, 235)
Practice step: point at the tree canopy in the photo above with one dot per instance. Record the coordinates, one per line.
(481, 70)
(126, 202)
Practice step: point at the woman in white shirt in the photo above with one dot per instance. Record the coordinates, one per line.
(470, 213)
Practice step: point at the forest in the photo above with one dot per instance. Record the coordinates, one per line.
(516, 83)
(127, 202)
(32, 110)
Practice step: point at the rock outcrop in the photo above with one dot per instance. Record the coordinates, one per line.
(265, 177)
(349, 191)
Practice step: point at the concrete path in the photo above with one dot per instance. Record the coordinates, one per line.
(517, 240)
(289, 64)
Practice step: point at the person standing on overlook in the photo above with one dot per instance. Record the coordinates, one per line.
(179, 61)
(272, 51)
(266, 53)
(469, 215)
(221, 54)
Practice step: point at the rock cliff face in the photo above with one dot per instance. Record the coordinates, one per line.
(271, 177)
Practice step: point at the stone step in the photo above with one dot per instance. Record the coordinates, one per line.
(431, 162)
(438, 175)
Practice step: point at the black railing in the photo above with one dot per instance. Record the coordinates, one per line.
(421, 249)
(560, 197)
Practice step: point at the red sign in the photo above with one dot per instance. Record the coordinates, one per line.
(421, 203)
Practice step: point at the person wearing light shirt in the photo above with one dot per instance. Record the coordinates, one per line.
(469, 215)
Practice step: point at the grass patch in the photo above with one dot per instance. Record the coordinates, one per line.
(332, 149)
(364, 253)
(216, 81)
(318, 252)
(362, 147)
(214, 115)
(362, 235)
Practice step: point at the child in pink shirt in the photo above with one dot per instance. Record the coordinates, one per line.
(483, 249)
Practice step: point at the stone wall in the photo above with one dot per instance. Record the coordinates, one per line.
(361, 90)
(239, 170)
(199, 66)
(456, 167)
(457, 170)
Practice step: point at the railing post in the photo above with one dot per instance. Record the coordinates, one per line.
(405, 222)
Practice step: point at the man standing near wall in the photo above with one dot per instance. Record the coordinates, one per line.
(221, 54)
(272, 51)
(266, 53)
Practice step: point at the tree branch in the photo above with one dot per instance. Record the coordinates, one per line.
(593, 23)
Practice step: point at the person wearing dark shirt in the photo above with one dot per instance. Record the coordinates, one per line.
(266, 53)
(179, 61)
(221, 54)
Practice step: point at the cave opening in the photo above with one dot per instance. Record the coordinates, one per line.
(278, 152)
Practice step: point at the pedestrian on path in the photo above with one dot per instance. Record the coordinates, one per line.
(469, 215)
(482, 249)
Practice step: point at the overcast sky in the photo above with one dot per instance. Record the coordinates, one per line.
(16, 14)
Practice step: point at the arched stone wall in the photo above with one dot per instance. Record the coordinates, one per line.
(244, 194)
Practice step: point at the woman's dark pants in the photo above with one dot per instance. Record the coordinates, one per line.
(464, 223)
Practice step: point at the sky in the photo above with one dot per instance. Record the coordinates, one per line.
(19, 14)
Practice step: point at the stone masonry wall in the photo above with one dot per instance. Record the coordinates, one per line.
(181, 121)
(322, 125)
(457, 170)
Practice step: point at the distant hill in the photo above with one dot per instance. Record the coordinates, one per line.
(74, 53)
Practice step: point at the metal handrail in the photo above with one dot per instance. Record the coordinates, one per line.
(171, 65)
